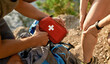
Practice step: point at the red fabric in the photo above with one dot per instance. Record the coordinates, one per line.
(57, 33)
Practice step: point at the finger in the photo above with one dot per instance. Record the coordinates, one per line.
(37, 28)
(45, 33)
(45, 42)
(60, 22)
(57, 20)
(63, 22)
(82, 19)
(47, 38)
(81, 26)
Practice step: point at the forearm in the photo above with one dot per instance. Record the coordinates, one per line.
(29, 10)
(104, 21)
(10, 47)
(83, 7)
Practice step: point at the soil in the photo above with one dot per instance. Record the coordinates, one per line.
(102, 48)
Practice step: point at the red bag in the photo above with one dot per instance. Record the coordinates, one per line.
(56, 32)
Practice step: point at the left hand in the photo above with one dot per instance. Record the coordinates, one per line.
(60, 21)
(81, 21)
(93, 30)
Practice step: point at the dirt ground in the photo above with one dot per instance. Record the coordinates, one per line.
(102, 49)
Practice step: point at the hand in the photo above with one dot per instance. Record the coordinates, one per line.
(60, 21)
(39, 38)
(82, 18)
(92, 30)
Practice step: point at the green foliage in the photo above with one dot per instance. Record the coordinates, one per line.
(57, 7)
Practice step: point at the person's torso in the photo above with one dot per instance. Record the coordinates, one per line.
(7, 6)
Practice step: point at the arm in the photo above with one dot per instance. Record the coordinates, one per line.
(83, 7)
(90, 37)
(93, 30)
(83, 11)
(30, 11)
(104, 21)
(10, 47)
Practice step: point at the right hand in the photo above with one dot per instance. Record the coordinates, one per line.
(39, 38)
(60, 21)
(82, 18)
(92, 30)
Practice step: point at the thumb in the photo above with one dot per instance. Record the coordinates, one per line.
(81, 26)
(37, 28)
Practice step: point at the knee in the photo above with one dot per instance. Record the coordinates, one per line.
(91, 32)
(84, 34)
(85, 27)
(15, 60)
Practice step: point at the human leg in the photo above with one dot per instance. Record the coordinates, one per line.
(99, 9)
(89, 40)
(15, 59)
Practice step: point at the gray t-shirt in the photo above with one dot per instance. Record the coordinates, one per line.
(6, 6)
(5, 33)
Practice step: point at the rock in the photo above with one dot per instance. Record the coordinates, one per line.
(15, 19)
(71, 21)
(18, 31)
(108, 62)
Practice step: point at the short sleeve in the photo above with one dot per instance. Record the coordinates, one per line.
(5, 31)
(6, 6)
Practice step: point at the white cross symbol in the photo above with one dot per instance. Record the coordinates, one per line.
(51, 27)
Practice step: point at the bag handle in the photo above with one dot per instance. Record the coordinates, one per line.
(60, 43)
(68, 44)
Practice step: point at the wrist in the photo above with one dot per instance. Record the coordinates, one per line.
(33, 41)
(41, 17)
(82, 15)
(28, 41)
(97, 25)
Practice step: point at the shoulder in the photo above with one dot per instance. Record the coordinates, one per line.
(7, 6)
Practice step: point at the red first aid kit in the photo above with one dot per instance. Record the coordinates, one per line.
(56, 32)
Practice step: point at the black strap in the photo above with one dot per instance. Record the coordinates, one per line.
(98, 28)
(61, 43)
(13, 0)
(68, 44)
